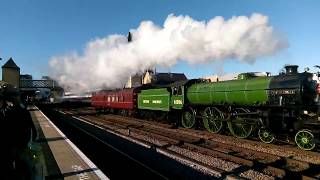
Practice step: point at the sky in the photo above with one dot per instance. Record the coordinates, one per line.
(34, 31)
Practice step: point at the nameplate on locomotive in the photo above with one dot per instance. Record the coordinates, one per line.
(177, 101)
(283, 91)
(156, 101)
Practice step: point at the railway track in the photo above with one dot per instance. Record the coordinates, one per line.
(217, 155)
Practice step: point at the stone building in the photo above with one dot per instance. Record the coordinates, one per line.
(11, 73)
(151, 77)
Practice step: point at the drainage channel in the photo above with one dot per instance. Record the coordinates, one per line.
(119, 158)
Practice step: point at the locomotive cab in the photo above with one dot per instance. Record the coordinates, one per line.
(178, 94)
(177, 97)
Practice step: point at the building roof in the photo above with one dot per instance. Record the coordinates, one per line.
(10, 64)
(25, 77)
(168, 78)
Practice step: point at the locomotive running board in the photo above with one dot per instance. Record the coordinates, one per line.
(244, 114)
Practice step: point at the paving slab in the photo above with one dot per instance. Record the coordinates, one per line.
(61, 158)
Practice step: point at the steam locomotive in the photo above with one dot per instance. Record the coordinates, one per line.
(286, 104)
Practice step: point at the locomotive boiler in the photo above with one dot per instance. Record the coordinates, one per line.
(283, 104)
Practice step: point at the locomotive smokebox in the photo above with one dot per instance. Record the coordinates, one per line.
(291, 69)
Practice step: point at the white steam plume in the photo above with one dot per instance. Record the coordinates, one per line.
(111, 60)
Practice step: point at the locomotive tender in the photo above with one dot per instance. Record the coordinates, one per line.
(273, 105)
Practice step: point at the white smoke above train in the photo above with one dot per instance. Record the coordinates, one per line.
(109, 61)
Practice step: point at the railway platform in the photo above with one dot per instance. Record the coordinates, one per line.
(59, 158)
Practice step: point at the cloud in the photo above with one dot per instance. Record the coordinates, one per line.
(109, 61)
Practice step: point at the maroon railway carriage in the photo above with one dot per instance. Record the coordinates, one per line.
(122, 101)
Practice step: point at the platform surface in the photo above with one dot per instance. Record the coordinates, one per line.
(62, 159)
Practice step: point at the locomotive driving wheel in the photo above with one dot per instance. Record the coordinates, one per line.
(212, 119)
(239, 126)
(305, 139)
(188, 119)
(265, 135)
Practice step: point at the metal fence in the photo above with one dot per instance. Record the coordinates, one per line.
(38, 84)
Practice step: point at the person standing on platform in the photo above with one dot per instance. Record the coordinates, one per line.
(19, 131)
(7, 147)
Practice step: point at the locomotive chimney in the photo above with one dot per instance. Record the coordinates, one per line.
(291, 69)
(129, 37)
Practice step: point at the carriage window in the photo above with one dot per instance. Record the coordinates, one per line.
(112, 99)
(117, 99)
(108, 99)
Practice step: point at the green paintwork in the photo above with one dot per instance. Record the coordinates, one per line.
(239, 128)
(213, 119)
(305, 139)
(265, 135)
(177, 101)
(240, 92)
(188, 119)
(154, 99)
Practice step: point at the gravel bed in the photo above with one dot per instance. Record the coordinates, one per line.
(278, 151)
(264, 158)
(254, 175)
(209, 160)
(144, 137)
(297, 166)
(312, 157)
(120, 130)
(195, 166)
(149, 139)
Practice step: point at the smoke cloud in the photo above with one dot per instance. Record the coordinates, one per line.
(109, 61)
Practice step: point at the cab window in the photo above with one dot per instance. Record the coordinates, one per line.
(177, 90)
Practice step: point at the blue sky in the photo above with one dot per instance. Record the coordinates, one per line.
(32, 31)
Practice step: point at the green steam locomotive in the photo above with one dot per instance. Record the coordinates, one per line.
(273, 105)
